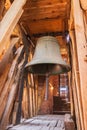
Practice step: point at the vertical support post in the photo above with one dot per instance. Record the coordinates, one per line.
(47, 87)
(81, 53)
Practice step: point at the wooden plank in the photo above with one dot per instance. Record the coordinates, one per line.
(3, 78)
(62, 125)
(40, 122)
(7, 85)
(48, 9)
(2, 2)
(9, 105)
(10, 101)
(9, 21)
(6, 62)
(45, 128)
(53, 123)
(33, 127)
(28, 120)
(59, 123)
(25, 103)
(43, 16)
(58, 128)
(41, 26)
(27, 126)
(36, 94)
(76, 84)
(83, 4)
(8, 56)
(51, 128)
(42, 3)
(10, 75)
(76, 104)
(81, 52)
(20, 95)
(21, 83)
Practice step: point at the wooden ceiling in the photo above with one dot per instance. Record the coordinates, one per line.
(46, 17)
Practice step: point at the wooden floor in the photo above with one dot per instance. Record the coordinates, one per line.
(42, 122)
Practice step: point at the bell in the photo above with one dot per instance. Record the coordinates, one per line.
(47, 58)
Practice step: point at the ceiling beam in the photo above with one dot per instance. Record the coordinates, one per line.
(45, 9)
(43, 2)
(44, 16)
(50, 33)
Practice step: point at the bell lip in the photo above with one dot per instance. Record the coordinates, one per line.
(68, 68)
(46, 61)
(28, 64)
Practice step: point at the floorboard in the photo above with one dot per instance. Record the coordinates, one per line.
(41, 122)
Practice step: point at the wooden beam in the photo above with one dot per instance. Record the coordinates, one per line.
(10, 79)
(76, 84)
(9, 21)
(50, 33)
(11, 98)
(8, 55)
(21, 81)
(20, 95)
(46, 8)
(68, 8)
(43, 3)
(43, 16)
(2, 2)
(81, 52)
(83, 4)
(71, 20)
(40, 26)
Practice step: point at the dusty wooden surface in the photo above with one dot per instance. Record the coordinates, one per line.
(42, 122)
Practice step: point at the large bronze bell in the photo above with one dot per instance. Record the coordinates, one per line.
(47, 58)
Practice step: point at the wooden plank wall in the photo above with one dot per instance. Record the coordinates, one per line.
(9, 22)
(17, 85)
(12, 69)
(78, 25)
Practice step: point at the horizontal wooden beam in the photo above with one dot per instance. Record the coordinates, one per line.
(43, 3)
(50, 33)
(46, 7)
(44, 16)
(47, 25)
(36, 11)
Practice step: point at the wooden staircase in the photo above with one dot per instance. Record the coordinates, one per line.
(60, 105)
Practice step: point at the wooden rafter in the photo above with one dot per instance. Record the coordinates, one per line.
(9, 21)
(48, 11)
